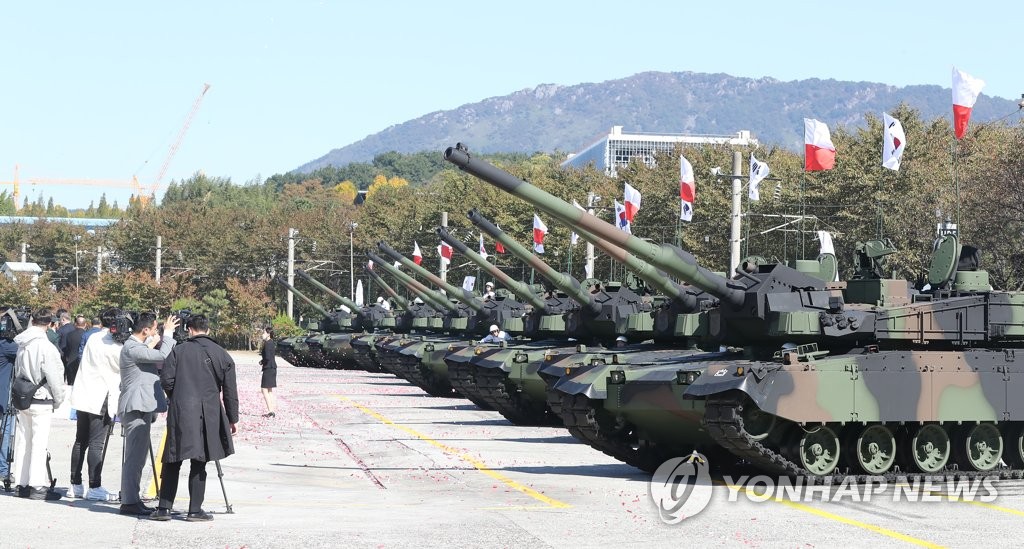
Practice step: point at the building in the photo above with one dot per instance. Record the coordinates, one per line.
(14, 269)
(617, 149)
(88, 223)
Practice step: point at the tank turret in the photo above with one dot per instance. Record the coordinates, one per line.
(399, 300)
(367, 317)
(425, 294)
(332, 321)
(461, 294)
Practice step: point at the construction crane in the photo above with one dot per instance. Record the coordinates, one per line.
(155, 186)
(143, 192)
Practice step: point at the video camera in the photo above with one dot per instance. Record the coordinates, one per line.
(121, 330)
(14, 320)
(181, 333)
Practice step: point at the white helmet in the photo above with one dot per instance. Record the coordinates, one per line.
(493, 328)
(489, 285)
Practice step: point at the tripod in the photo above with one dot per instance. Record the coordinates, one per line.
(7, 430)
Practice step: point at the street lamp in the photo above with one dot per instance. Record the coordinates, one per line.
(351, 262)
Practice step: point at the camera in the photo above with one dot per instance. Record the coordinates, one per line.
(181, 333)
(14, 320)
(121, 329)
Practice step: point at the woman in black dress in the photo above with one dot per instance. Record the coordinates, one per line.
(269, 370)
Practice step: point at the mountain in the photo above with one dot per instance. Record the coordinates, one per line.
(553, 117)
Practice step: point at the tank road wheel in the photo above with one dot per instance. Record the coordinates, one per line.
(979, 447)
(875, 450)
(1014, 453)
(929, 449)
(819, 450)
(758, 424)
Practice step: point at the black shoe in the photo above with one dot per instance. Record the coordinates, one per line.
(269, 414)
(137, 509)
(23, 491)
(160, 514)
(198, 516)
(7, 485)
(43, 493)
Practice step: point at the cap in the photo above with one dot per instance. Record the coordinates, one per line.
(380, 299)
(489, 284)
(621, 338)
(493, 328)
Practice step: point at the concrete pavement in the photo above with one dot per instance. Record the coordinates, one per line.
(357, 459)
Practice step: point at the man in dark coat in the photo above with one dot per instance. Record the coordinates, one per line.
(197, 375)
(71, 340)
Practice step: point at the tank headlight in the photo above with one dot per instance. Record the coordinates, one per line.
(478, 350)
(740, 371)
(428, 348)
(686, 378)
(520, 358)
(597, 361)
(617, 377)
(615, 358)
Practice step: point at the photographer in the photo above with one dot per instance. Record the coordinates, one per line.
(39, 362)
(141, 398)
(8, 354)
(197, 376)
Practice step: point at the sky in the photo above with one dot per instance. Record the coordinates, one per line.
(99, 91)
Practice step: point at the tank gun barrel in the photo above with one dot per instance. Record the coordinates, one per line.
(562, 281)
(426, 294)
(521, 290)
(341, 299)
(458, 293)
(676, 262)
(303, 297)
(402, 303)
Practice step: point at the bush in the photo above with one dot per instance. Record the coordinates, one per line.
(284, 326)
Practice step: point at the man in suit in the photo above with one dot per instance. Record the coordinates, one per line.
(71, 340)
(140, 400)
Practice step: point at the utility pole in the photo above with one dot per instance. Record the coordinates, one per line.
(159, 249)
(444, 266)
(77, 238)
(591, 200)
(24, 252)
(99, 261)
(292, 233)
(737, 214)
(351, 261)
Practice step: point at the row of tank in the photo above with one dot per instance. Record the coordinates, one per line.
(776, 367)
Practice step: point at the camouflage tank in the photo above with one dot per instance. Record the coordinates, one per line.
(307, 350)
(864, 380)
(507, 376)
(364, 348)
(337, 348)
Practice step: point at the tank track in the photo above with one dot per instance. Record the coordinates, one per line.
(409, 368)
(554, 397)
(461, 376)
(724, 422)
(365, 360)
(493, 388)
(584, 421)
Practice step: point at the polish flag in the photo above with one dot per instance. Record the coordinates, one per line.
(965, 92)
(539, 230)
(893, 142)
(758, 171)
(417, 257)
(620, 218)
(632, 200)
(499, 247)
(445, 251)
(687, 189)
(483, 251)
(819, 152)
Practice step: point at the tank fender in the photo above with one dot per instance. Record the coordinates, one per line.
(755, 381)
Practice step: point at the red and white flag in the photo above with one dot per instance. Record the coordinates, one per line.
(417, 256)
(499, 248)
(483, 251)
(758, 171)
(539, 230)
(445, 251)
(632, 202)
(574, 238)
(621, 220)
(819, 152)
(893, 142)
(687, 189)
(965, 92)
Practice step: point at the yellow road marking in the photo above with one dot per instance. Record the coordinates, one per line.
(151, 489)
(852, 522)
(477, 464)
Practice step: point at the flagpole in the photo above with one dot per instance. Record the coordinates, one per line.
(803, 214)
